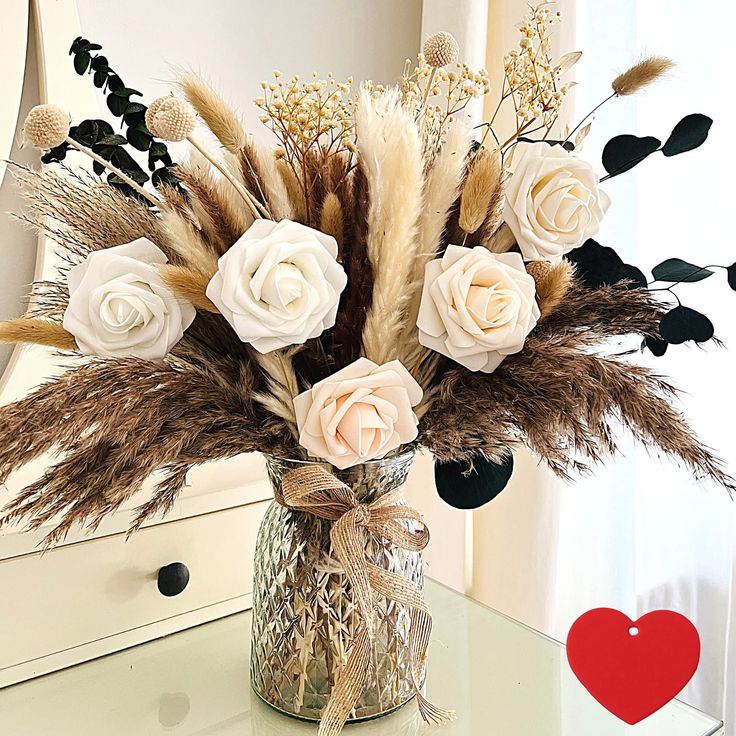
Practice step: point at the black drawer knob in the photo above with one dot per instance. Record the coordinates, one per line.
(172, 579)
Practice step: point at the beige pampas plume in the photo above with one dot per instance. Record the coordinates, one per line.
(642, 74)
(441, 190)
(483, 187)
(330, 221)
(218, 117)
(552, 284)
(189, 284)
(37, 332)
(272, 183)
(390, 150)
(293, 189)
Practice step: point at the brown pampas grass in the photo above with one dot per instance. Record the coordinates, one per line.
(116, 437)
(390, 149)
(331, 220)
(278, 368)
(37, 332)
(82, 213)
(482, 191)
(189, 284)
(552, 284)
(642, 74)
(569, 418)
(218, 117)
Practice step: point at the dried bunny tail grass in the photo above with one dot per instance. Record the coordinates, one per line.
(500, 241)
(216, 205)
(257, 168)
(642, 74)
(293, 190)
(278, 369)
(482, 191)
(569, 419)
(184, 233)
(390, 149)
(93, 215)
(218, 117)
(173, 416)
(190, 285)
(552, 284)
(37, 332)
(331, 221)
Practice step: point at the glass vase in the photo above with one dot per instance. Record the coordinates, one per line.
(304, 618)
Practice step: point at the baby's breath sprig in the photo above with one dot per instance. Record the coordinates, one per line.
(532, 80)
(312, 120)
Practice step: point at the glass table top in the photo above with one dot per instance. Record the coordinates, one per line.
(500, 676)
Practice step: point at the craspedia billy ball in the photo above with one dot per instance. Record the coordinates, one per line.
(171, 118)
(441, 49)
(46, 126)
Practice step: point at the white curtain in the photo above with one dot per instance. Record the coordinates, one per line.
(641, 534)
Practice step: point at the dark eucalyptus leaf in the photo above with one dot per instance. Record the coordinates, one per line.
(117, 105)
(636, 279)
(688, 134)
(81, 62)
(98, 168)
(656, 345)
(89, 46)
(139, 137)
(625, 151)
(682, 324)
(677, 270)
(77, 44)
(126, 92)
(99, 63)
(731, 271)
(596, 265)
(165, 176)
(99, 79)
(470, 490)
(115, 83)
(54, 155)
(113, 139)
(158, 149)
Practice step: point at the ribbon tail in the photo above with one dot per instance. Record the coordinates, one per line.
(349, 685)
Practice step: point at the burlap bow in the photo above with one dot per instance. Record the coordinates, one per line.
(314, 490)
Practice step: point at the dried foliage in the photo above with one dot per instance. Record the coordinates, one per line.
(38, 332)
(190, 285)
(552, 284)
(483, 191)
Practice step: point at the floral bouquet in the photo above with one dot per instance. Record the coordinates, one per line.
(384, 278)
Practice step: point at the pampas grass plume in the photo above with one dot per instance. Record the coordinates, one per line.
(482, 187)
(37, 332)
(642, 74)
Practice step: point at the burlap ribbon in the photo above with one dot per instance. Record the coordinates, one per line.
(314, 490)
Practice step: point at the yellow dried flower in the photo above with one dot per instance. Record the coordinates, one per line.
(46, 126)
(441, 49)
(171, 118)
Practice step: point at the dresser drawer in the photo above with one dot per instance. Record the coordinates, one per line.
(84, 592)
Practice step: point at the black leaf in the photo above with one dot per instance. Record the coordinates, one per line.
(98, 168)
(115, 83)
(81, 62)
(689, 133)
(164, 176)
(677, 270)
(636, 279)
(117, 105)
(126, 92)
(464, 490)
(596, 265)
(112, 140)
(731, 271)
(99, 63)
(625, 151)
(77, 45)
(99, 79)
(682, 323)
(656, 345)
(139, 137)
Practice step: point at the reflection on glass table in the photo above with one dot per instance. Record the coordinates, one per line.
(502, 678)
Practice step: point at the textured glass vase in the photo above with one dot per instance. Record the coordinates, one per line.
(304, 618)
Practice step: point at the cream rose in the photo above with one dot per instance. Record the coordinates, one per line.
(477, 307)
(359, 413)
(119, 305)
(553, 203)
(279, 284)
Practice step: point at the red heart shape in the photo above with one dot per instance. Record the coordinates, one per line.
(633, 674)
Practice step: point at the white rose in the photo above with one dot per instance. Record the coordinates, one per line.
(553, 203)
(119, 305)
(360, 413)
(477, 307)
(279, 284)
